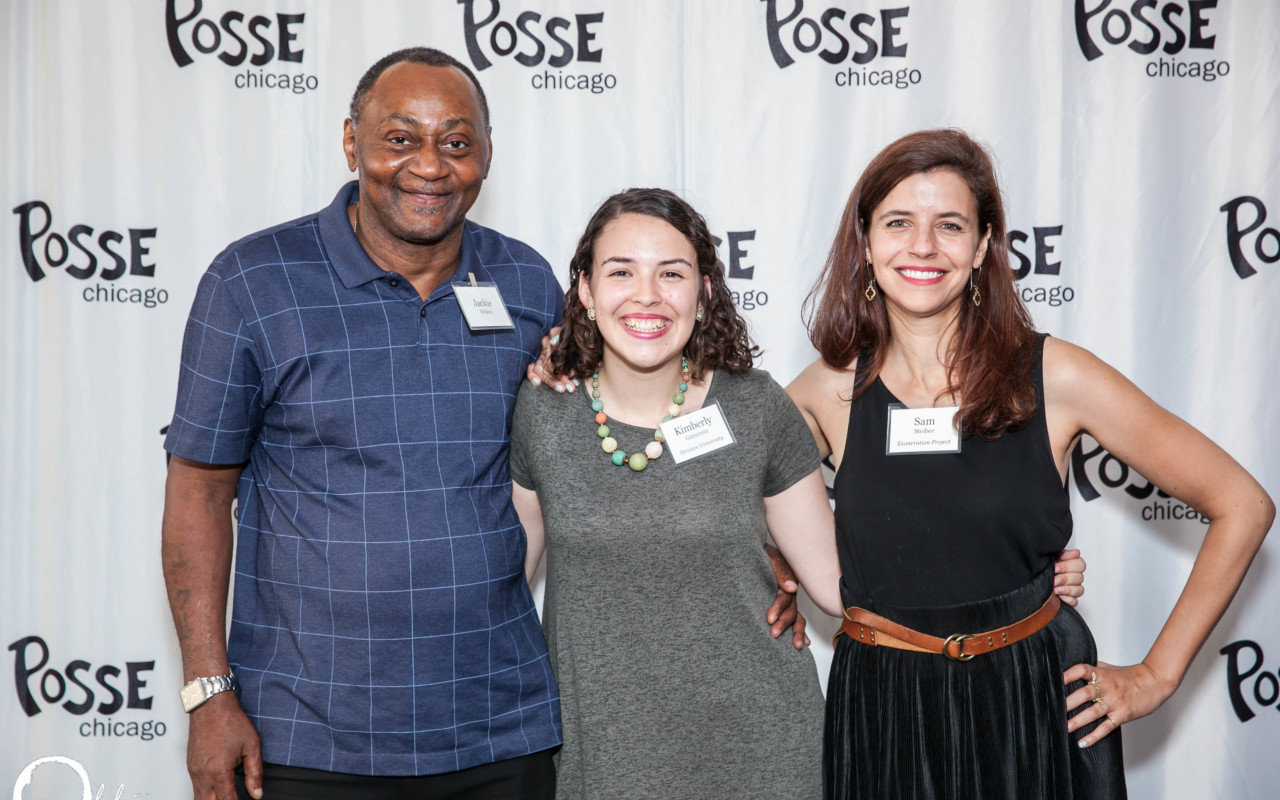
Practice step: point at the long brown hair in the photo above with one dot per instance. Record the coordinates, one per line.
(718, 340)
(989, 365)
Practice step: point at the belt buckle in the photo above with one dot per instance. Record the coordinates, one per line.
(957, 639)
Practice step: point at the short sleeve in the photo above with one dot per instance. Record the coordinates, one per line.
(792, 452)
(219, 412)
(522, 436)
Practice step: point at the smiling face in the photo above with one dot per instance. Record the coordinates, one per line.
(422, 151)
(645, 286)
(923, 240)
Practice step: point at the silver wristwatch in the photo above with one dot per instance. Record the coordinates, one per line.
(201, 689)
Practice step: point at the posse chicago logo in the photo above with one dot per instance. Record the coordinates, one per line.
(868, 50)
(256, 48)
(1246, 244)
(1036, 261)
(93, 696)
(562, 54)
(1250, 684)
(1176, 41)
(734, 252)
(1096, 471)
(122, 264)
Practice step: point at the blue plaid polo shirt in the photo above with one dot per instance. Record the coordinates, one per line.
(381, 622)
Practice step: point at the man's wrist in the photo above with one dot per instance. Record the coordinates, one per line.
(197, 691)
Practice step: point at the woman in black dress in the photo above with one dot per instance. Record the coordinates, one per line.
(948, 680)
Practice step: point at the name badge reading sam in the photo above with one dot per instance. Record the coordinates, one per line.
(921, 430)
(697, 433)
(482, 306)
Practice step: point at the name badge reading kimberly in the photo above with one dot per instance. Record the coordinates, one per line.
(697, 433)
(915, 431)
(482, 306)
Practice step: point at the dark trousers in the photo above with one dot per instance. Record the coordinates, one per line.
(531, 777)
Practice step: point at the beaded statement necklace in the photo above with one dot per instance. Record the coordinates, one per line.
(637, 461)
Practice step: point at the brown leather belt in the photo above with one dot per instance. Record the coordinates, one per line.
(871, 629)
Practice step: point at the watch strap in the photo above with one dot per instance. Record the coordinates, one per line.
(197, 691)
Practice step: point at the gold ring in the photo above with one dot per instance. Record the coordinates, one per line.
(1093, 681)
(1102, 704)
(1113, 721)
(1097, 692)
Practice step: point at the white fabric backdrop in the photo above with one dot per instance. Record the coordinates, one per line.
(1115, 168)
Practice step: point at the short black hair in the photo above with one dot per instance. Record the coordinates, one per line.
(415, 55)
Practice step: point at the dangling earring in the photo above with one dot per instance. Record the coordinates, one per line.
(698, 314)
(591, 313)
(977, 295)
(871, 289)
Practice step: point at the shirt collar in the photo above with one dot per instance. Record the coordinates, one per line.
(349, 260)
(353, 265)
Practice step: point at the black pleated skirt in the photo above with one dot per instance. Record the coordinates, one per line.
(908, 725)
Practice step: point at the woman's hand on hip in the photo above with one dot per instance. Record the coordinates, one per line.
(1068, 580)
(1115, 695)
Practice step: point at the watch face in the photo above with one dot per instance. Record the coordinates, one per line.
(192, 695)
(201, 689)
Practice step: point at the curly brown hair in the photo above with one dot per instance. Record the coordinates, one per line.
(989, 367)
(719, 339)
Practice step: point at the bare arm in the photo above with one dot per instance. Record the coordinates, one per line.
(807, 392)
(1082, 394)
(196, 548)
(196, 544)
(800, 521)
(529, 509)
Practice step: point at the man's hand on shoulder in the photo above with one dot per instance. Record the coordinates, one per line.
(541, 371)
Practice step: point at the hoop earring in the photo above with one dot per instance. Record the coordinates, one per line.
(591, 313)
(698, 314)
(977, 295)
(871, 289)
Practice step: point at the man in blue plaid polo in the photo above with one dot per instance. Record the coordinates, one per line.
(383, 636)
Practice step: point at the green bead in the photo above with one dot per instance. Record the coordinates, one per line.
(684, 387)
(595, 376)
(596, 405)
(667, 418)
(603, 431)
(679, 398)
(595, 393)
(657, 434)
(638, 461)
(618, 457)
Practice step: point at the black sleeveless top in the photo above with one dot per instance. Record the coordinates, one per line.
(946, 528)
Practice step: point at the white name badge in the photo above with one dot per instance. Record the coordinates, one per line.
(697, 433)
(921, 430)
(482, 306)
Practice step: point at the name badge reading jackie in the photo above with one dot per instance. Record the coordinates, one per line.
(482, 306)
(917, 431)
(697, 433)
